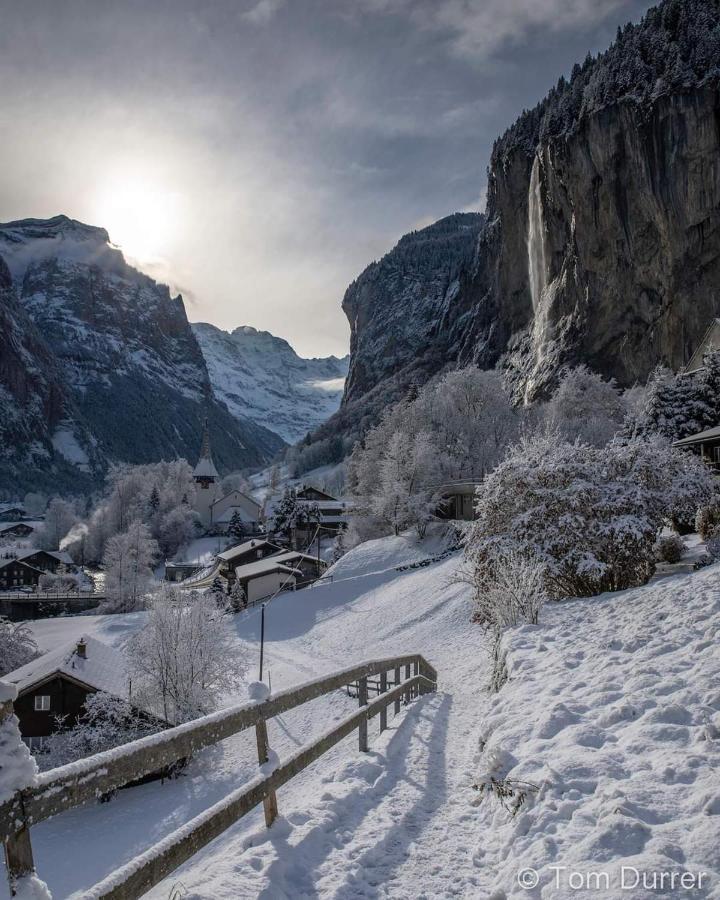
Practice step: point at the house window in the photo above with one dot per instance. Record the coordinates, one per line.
(42, 702)
(36, 744)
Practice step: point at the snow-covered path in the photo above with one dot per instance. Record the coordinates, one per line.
(611, 714)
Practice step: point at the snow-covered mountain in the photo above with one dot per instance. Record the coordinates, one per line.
(99, 364)
(260, 377)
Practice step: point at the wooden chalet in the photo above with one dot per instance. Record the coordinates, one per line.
(15, 573)
(15, 529)
(57, 684)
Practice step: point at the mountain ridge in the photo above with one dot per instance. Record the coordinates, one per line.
(103, 336)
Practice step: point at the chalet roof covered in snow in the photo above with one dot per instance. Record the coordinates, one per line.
(239, 550)
(712, 434)
(102, 669)
(62, 556)
(264, 567)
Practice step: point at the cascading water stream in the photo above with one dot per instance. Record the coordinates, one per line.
(536, 237)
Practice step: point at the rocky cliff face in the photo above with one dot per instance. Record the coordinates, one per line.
(260, 377)
(601, 240)
(106, 366)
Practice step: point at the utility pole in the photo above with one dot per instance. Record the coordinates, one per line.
(262, 639)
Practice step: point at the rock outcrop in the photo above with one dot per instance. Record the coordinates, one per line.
(601, 238)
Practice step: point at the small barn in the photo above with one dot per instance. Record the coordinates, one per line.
(57, 684)
(266, 577)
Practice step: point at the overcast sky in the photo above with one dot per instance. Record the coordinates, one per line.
(258, 155)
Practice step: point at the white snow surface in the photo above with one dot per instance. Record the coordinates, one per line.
(611, 713)
(261, 377)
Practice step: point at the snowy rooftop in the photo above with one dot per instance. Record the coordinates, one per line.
(103, 668)
(710, 435)
(264, 567)
(240, 549)
(205, 468)
(60, 555)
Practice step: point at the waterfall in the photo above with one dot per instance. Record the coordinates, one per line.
(536, 237)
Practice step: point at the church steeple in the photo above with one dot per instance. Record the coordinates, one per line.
(205, 472)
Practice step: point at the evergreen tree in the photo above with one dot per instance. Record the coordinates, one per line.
(236, 529)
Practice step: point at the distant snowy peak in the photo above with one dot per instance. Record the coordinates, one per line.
(261, 377)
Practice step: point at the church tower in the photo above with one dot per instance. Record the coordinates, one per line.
(206, 480)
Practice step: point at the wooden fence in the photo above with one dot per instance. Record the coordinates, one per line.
(89, 779)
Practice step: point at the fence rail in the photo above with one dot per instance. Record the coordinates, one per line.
(69, 786)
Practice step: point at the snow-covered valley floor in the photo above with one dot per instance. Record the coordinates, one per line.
(611, 714)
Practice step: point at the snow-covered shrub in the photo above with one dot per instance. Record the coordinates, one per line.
(712, 543)
(17, 646)
(707, 519)
(183, 660)
(510, 589)
(670, 548)
(57, 583)
(589, 515)
(105, 722)
(359, 529)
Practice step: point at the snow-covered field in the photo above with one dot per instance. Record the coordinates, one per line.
(611, 715)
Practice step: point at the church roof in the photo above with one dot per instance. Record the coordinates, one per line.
(205, 467)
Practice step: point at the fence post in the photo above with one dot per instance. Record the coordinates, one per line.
(383, 711)
(18, 849)
(263, 748)
(397, 682)
(362, 701)
(408, 692)
(416, 672)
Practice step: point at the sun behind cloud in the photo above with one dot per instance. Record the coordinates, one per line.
(141, 217)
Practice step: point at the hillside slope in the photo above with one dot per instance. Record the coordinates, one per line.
(611, 710)
(260, 377)
(114, 340)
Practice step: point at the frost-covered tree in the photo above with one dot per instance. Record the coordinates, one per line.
(35, 503)
(183, 660)
(408, 479)
(60, 517)
(453, 428)
(238, 597)
(17, 645)
(586, 407)
(128, 562)
(291, 513)
(236, 529)
(589, 515)
(217, 593)
(680, 405)
(147, 494)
